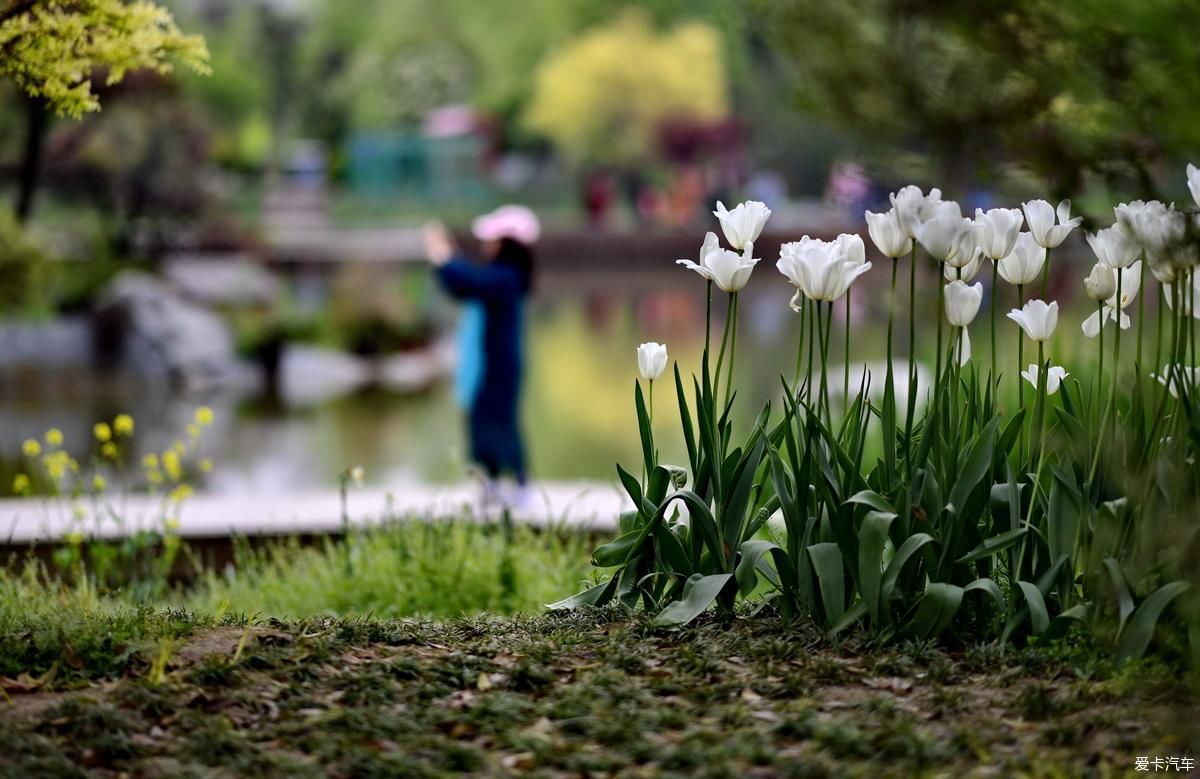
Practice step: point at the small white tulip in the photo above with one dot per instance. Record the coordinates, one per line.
(1040, 216)
(1169, 291)
(1193, 177)
(1037, 318)
(710, 246)
(1174, 377)
(730, 270)
(913, 207)
(962, 302)
(652, 360)
(1101, 283)
(744, 223)
(887, 234)
(941, 237)
(1024, 263)
(1113, 247)
(1129, 281)
(1152, 225)
(1054, 377)
(997, 230)
(967, 272)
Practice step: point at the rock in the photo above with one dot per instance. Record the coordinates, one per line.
(225, 280)
(145, 327)
(310, 374)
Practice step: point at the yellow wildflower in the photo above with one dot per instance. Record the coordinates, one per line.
(109, 449)
(204, 416)
(206, 465)
(150, 460)
(180, 447)
(98, 483)
(181, 493)
(102, 432)
(75, 538)
(154, 476)
(78, 511)
(56, 464)
(172, 465)
(20, 484)
(172, 523)
(193, 431)
(123, 425)
(54, 437)
(31, 447)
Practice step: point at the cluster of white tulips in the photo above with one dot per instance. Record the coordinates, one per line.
(1144, 235)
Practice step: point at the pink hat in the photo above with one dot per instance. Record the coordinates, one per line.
(511, 221)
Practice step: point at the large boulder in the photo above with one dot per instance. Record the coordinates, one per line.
(145, 327)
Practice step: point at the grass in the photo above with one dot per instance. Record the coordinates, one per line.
(584, 693)
(400, 569)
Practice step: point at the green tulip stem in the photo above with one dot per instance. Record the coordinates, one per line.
(708, 313)
(1046, 274)
(800, 350)
(721, 354)
(912, 364)
(1158, 327)
(1137, 360)
(1100, 369)
(733, 305)
(891, 318)
(1111, 403)
(846, 360)
(1020, 367)
(814, 310)
(993, 293)
(940, 314)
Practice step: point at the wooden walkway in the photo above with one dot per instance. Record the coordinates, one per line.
(575, 506)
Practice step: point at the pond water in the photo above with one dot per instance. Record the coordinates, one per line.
(578, 406)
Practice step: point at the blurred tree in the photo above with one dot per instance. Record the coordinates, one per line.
(1064, 88)
(52, 50)
(603, 97)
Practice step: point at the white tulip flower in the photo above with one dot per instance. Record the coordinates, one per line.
(652, 360)
(744, 223)
(1175, 376)
(941, 236)
(912, 207)
(997, 230)
(1040, 216)
(962, 302)
(1054, 377)
(1129, 283)
(1193, 177)
(1152, 225)
(1037, 318)
(1024, 263)
(967, 272)
(823, 270)
(730, 270)
(1101, 283)
(887, 234)
(1169, 291)
(1113, 246)
(962, 305)
(710, 246)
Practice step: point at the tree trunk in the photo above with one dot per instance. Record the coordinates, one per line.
(37, 122)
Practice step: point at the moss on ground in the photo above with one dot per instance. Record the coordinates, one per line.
(581, 694)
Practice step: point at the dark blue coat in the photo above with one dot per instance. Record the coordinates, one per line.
(500, 290)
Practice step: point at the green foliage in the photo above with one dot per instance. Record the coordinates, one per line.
(1064, 88)
(603, 97)
(24, 267)
(53, 49)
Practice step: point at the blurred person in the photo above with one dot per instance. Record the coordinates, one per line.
(491, 337)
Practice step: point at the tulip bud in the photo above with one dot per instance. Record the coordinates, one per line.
(1193, 177)
(962, 302)
(997, 230)
(1101, 283)
(1024, 263)
(652, 360)
(887, 234)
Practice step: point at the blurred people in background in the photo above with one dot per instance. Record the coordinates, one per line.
(849, 188)
(491, 337)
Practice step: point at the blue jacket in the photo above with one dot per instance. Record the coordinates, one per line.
(493, 400)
